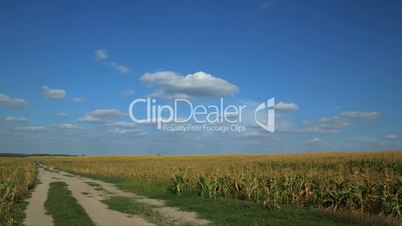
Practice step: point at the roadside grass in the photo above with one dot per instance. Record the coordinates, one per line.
(63, 207)
(131, 206)
(21, 205)
(97, 187)
(226, 211)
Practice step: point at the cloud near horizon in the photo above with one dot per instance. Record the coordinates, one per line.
(12, 102)
(314, 140)
(16, 119)
(122, 124)
(102, 116)
(68, 126)
(121, 131)
(340, 121)
(31, 128)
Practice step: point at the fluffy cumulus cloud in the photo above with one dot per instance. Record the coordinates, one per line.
(16, 119)
(103, 56)
(102, 115)
(55, 94)
(286, 106)
(199, 84)
(12, 102)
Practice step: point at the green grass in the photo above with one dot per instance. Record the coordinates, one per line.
(228, 211)
(63, 207)
(96, 186)
(131, 206)
(21, 204)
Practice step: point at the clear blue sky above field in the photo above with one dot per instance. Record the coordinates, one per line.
(69, 71)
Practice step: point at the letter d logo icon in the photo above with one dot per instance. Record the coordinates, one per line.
(270, 124)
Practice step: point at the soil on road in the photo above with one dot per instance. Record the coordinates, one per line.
(89, 193)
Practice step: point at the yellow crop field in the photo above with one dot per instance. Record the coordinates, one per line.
(368, 182)
(17, 176)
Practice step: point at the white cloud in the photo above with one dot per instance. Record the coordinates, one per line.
(55, 94)
(327, 124)
(101, 54)
(119, 131)
(122, 124)
(163, 95)
(199, 84)
(61, 114)
(359, 114)
(314, 140)
(102, 115)
(12, 102)
(252, 134)
(312, 129)
(79, 100)
(68, 126)
(338, 122)
(286, 106)
(121, 68)
(16, 119)
(392, 136)
(31, 128)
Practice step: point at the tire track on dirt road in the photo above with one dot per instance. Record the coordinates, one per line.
(90, 198)
(36, 212)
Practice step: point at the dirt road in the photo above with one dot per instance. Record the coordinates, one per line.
(90, 198)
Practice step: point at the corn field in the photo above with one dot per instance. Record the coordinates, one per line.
(367, 182)
(379, 197)
(17, 176)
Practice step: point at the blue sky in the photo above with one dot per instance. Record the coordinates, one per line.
(69, 71)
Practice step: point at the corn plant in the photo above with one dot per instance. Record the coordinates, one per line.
(179, 183)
